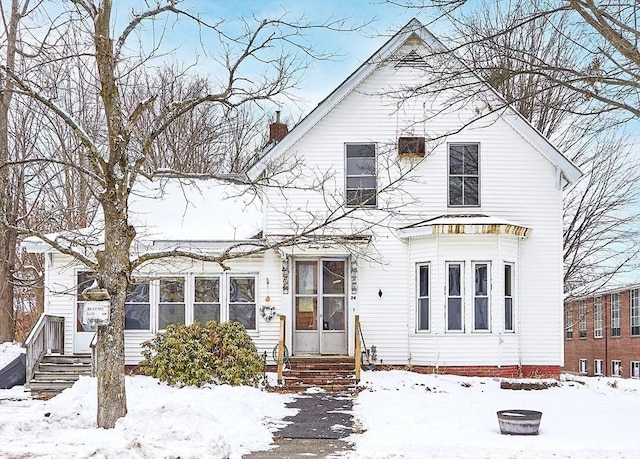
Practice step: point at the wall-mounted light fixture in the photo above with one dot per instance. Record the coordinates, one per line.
(380, 292)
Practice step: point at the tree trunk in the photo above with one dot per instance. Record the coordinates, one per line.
(7, 201)
(114, 269)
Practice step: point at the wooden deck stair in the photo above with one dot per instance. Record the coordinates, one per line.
(55, 373)
(333, 374)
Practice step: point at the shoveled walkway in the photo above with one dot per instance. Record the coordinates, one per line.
(323, 419)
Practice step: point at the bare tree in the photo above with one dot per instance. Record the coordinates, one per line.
(540, 57)
(116, 150)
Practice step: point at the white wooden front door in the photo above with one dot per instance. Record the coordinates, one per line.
(83, 333)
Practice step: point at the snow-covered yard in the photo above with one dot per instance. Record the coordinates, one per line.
(401, 415)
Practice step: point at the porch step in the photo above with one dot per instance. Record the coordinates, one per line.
(333, 374)
(56, 373)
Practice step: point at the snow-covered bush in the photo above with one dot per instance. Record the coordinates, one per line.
(193, 355)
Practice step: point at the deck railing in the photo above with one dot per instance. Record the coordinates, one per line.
(46, 336)
(281, 347)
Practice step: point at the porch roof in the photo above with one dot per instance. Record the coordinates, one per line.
(464, 224)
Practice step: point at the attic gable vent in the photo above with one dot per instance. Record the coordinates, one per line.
(411, 59)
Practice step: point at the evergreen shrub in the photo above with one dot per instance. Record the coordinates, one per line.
(193, 355)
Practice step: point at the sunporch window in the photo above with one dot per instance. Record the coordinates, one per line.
(206, 299)
(454, 297)
(137, 308)
(171, 304)
(242, 301)
(423, 297)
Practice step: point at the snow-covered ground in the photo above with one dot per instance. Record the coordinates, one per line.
(400, 414)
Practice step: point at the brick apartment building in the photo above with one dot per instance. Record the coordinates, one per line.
(602, 333)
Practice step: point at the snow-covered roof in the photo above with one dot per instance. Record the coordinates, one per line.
(172, 210)
(202, 210)
(464, 224)
(414, 27)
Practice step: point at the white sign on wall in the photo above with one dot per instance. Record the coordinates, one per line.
(96, 313)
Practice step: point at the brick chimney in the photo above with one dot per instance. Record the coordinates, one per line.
(277, 130)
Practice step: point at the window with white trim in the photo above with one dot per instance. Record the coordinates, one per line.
(634, 369)
(481, 297)
(423, 297)
(568, 322)
(615, 314)
(508, 298)
(635, 312)
(597, 317)
(582, 366)
(597, 367)
(464, 175)
(582, 311)
(206, 299)
(137, 306)
(242, 300)
(616, 368)
(455, 306)
(171, 304)
(361, 180)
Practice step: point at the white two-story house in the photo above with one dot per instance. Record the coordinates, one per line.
(435, 218)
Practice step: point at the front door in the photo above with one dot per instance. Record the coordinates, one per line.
(84, 333)
(320, 325)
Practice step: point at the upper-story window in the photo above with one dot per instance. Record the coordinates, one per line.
(464, 174)
(568, 322)
(615, 314)
(582, 312)
(597, 317)
(635, 312)
(361, 181)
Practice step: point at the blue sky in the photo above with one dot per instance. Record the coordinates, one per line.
(350, 48)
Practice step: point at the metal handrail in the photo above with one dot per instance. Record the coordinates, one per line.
(94, 354)
(47, 335)
(358, 348)
(281, 344)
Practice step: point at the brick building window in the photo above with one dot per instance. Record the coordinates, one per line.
(582, 366)
(615, 314)
(597, 367)
(597, 317)
(568, 322)
(635, 312)
(634, 371)
(582, 311)
(616, 368)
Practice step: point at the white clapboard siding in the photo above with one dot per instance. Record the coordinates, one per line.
(517, 184)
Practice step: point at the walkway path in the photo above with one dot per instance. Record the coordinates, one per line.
(316, 430)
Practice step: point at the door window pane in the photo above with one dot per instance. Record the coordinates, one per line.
(333, 314)
(333, 277)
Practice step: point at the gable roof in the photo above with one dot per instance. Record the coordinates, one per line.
(414, 27)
